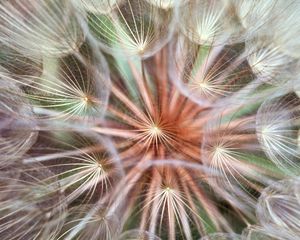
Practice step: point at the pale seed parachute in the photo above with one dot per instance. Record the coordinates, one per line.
(86, 168)
(35, 206)
(90, 222)
(254, 232)
(18, 128)
(268, 62)
(17, 65)
(206, 74)
(69, 87)
(37, 28)
(131, 27)
(277, 126)
(254, 15)
(209, 23)
(279, 208)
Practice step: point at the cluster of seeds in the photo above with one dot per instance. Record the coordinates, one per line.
(149, 119)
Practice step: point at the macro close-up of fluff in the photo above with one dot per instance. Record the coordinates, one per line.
(149, 119)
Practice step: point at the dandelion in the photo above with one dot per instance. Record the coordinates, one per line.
(149, 119)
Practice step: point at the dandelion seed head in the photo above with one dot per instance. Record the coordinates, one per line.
(149, 119)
